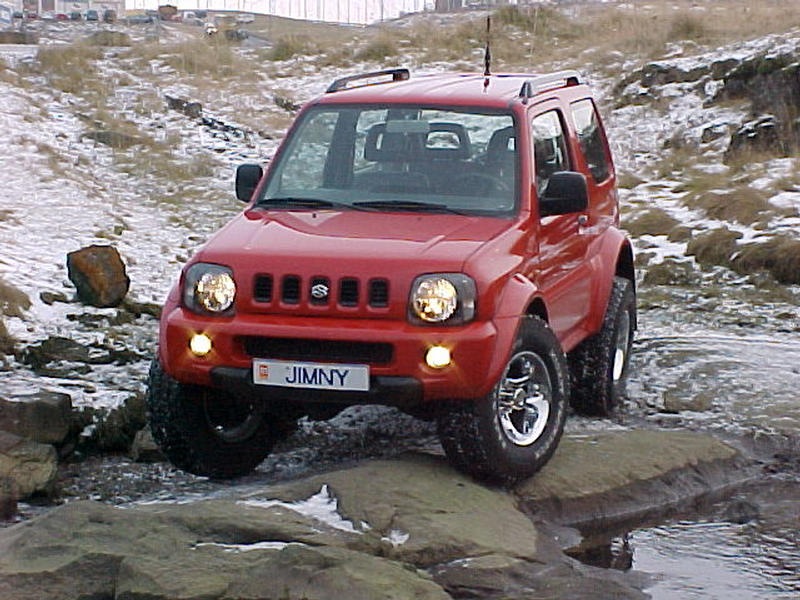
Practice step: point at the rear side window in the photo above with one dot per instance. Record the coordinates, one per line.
(549, 148)
(590, 137)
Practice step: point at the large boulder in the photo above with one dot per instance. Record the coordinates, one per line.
(30, 465)
(44, 417)
(99, 275)
(406, 528)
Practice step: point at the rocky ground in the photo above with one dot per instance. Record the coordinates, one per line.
(404, 528)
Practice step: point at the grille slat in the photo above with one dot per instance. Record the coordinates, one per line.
(318, 350)
(262, 288)
(379, 293)
(346, 292)
(290, 293)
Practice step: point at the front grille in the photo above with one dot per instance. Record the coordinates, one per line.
(318, 350)
(262, 288)
(320, 291)
(291, 289)
(379, 293)
(348, 292)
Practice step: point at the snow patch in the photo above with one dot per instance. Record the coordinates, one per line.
(396, 538)
(244, 547)
(322, 506)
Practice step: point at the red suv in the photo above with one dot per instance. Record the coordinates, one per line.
(446, 244)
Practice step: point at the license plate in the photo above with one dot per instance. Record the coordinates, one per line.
(316, 376)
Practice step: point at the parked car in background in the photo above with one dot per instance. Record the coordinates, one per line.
(109, 16)
(139, 19)
(92, 15)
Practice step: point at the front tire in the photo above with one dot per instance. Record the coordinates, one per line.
(511, 433)
(599, 365)
(206, 431)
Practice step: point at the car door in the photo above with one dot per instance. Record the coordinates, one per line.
(562, 271)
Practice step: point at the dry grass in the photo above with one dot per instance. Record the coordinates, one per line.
(780, 256)
(654, 221)
(714, 247)
(70, 68)
(207, 57)
(744, 205)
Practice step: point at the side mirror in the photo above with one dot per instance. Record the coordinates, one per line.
(247, 178)
(566, 193)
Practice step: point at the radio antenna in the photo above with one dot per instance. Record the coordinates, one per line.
(487, 54)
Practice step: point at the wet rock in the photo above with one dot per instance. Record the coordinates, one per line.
(7, 342)
(99, 275)
(144, 447)
(44, 417)
(138, 309)
(701, 402)
(661, 73)
(285, 103)
(187, 107)
(51, 298)
(741, 511)
(8, 498)
(116, 429)
(601, 480)
(407, 528)
(761, 135)
(30, 465)
(54, 349)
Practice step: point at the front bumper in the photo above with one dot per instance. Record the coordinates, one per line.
(403, 379)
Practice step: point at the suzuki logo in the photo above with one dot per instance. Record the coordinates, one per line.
(320, 291)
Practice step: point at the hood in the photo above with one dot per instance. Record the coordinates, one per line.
(328, 241)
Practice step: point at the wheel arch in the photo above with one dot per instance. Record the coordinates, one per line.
(614, 258)
(520, 298)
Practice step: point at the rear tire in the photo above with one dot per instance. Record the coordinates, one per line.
(512, 432)
(599, 365)
(207, 431)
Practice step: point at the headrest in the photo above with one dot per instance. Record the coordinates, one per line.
(406, 141)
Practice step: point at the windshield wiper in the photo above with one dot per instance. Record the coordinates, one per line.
(298, 202)
(407, 205)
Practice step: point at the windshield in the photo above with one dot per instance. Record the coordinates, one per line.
(404, 158)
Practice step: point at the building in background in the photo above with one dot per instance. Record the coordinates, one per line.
(41, 7)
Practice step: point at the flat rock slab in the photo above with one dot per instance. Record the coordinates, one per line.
(405, 528)
(601, 479)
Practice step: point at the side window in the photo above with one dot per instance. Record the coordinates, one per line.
(549, 148)
(591, 140)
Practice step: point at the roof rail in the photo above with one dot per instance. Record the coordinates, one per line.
(343, 83)
(538, 84)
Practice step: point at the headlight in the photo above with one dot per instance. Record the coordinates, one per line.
(209, 288)
(442, 297)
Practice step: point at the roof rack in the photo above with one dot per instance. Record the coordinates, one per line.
(541, 83)
(343, 83)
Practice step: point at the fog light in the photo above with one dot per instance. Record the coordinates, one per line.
(437, 357)
(200, 344)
